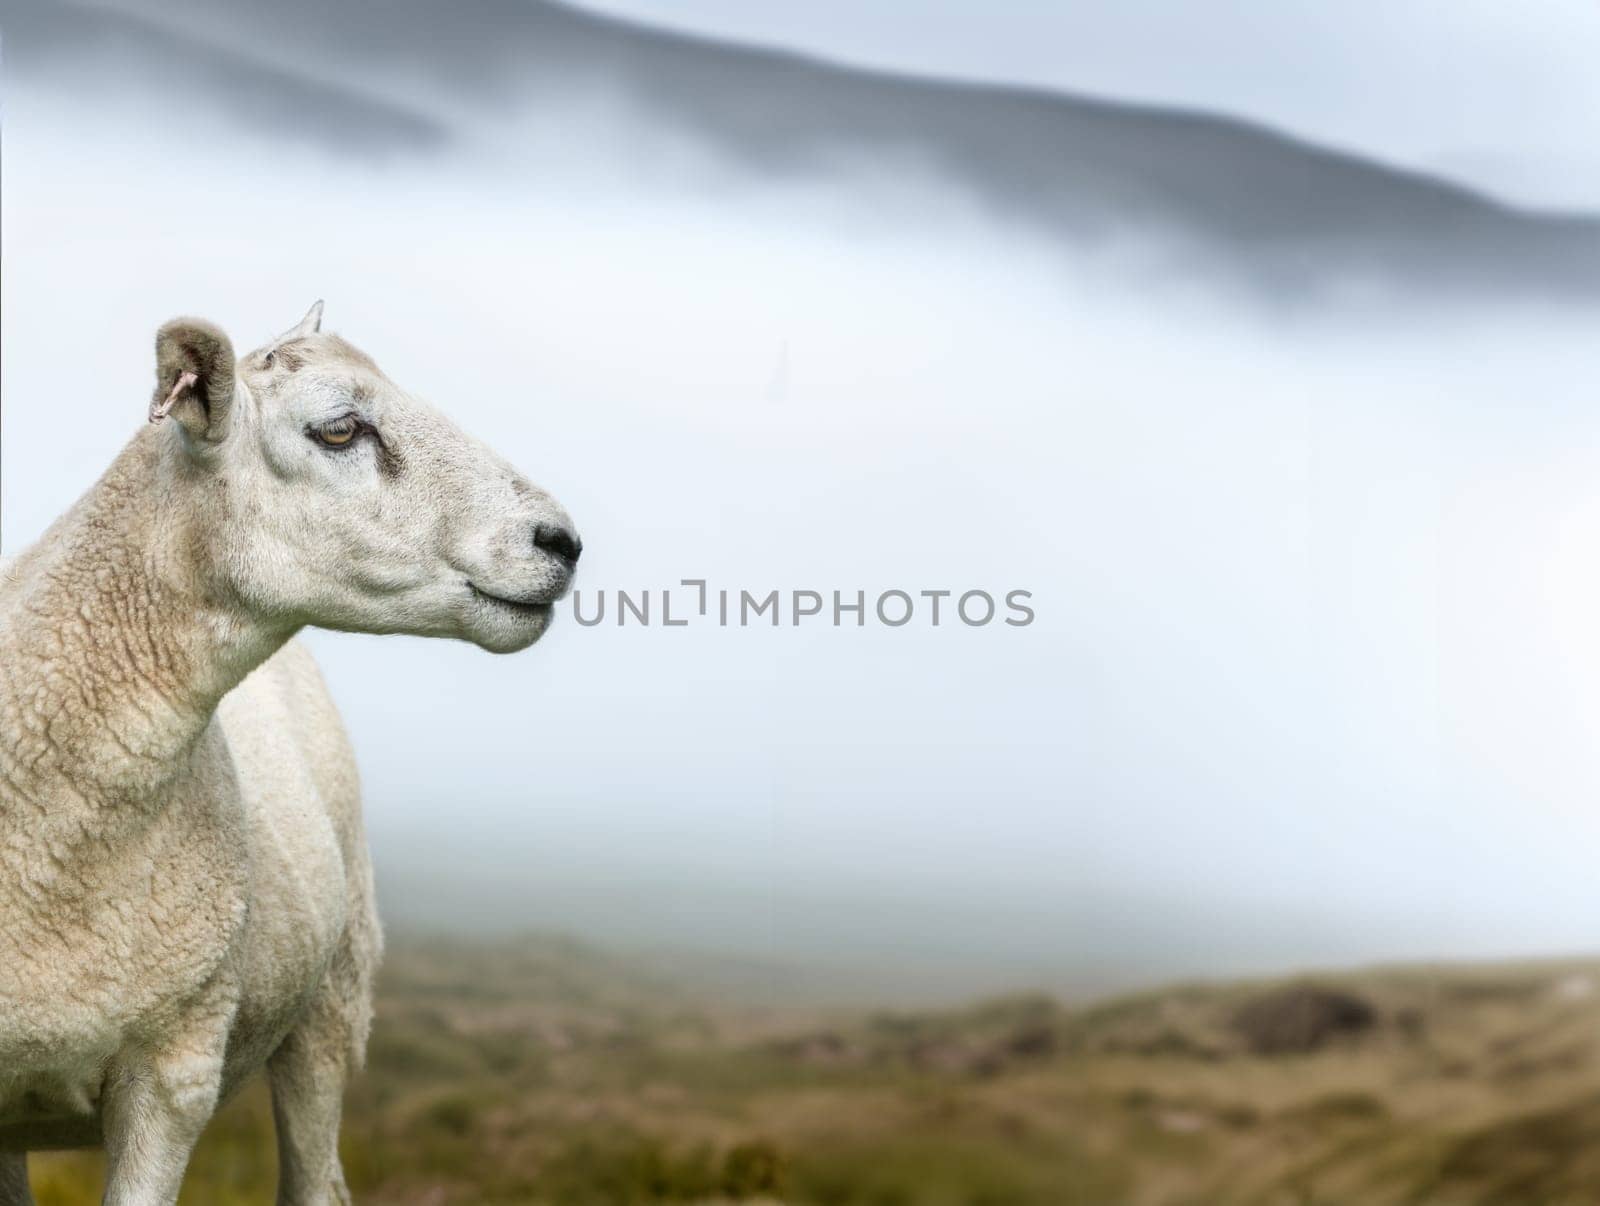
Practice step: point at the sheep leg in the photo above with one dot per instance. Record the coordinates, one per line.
(154, 1108)
(14, 1179)
(308, 1073)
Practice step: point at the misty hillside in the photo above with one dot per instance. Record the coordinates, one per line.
(545, 1071)
(413, 77)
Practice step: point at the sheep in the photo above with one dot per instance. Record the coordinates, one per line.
(185, 889)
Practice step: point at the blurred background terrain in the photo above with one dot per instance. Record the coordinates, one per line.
(1255, 340)
(543, 1071)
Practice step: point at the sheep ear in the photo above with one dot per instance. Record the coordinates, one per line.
(309, 325)
(194, 378)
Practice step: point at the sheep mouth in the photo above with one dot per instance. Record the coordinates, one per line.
(527, 607)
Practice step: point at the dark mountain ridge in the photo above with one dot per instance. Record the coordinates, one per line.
(408, 76)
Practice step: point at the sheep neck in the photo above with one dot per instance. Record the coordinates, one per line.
(115, 646)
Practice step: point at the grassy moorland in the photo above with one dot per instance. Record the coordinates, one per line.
(545, 1072)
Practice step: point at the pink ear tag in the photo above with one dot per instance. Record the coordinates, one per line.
(160, 410)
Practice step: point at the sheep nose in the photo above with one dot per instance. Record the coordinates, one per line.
(558, 541)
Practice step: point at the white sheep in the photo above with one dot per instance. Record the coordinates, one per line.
(185, 892)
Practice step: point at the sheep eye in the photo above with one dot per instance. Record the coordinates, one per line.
(338, 433)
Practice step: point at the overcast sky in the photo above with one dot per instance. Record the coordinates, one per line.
(1503, 96)
(1315, 676)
